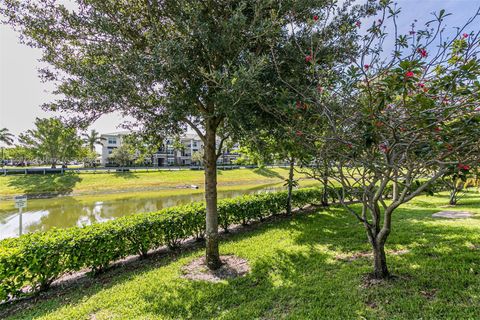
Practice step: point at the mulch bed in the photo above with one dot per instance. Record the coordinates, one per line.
(453, 214)
(232, 267)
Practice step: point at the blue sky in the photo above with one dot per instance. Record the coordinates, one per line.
(22, 93)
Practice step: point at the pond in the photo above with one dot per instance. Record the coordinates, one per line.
(64, 212)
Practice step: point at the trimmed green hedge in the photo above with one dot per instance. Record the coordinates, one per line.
(30, 263)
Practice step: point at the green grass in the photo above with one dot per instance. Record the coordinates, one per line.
(90, 184)
(297, 274)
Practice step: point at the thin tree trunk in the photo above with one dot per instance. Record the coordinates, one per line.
(453, 197)
(212, 255)
(325, 185)
(290, 187)
(395, 188)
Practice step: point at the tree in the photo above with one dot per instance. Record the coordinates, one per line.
(400, 122)
(250, 156)
(145, 143)
(88, 157)
(168, 64)
(274, 142)
(91, 139)
(52, 141)
(19, 154)
(123, 155)
(198, 157)
(7, 138)
(457, 180)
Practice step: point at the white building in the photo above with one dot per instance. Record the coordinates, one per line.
(110, 141)
(173, 152)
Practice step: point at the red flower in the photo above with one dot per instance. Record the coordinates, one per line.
(308, 58)
(358, 24)
(438, 129)
(299, 133)
(421, 85)
(463, 167)
(423, 52)
(465, 35)
(367, 66)
(315, 18)
(409, 74)
(383, 147)
(349, 145)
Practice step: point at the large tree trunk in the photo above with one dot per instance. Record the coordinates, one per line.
(377, 238)
(380, 269)
(290, 186)
(212, 255)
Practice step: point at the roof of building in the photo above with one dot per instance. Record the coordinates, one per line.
(118, 133)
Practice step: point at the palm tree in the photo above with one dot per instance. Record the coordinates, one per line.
(92, 139)
(7, 138)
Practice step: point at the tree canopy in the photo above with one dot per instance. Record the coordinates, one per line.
(52, 141)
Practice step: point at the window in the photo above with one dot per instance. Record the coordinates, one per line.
(112, 140)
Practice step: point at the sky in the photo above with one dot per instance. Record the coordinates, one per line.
(22, 92)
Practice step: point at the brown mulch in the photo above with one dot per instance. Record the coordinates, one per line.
(232, 267)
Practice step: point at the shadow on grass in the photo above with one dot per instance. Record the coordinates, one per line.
(49, 185)
(301, 277)
(125, 175)
(268, 173)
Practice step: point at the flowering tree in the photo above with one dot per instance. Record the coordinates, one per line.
(398, 122)
(457, 180)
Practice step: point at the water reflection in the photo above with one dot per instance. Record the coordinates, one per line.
(68, 212)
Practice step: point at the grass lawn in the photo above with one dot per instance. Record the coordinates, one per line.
(89, 183)
(302, 268)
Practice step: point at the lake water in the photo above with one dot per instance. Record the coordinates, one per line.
(67, 212)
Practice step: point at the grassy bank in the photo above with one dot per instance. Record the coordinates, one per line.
(107, 183)
(308, 267)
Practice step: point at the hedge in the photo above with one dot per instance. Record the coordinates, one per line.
(30, 263)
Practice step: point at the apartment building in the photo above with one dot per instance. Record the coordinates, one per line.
(173, 152)
(110, 141)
